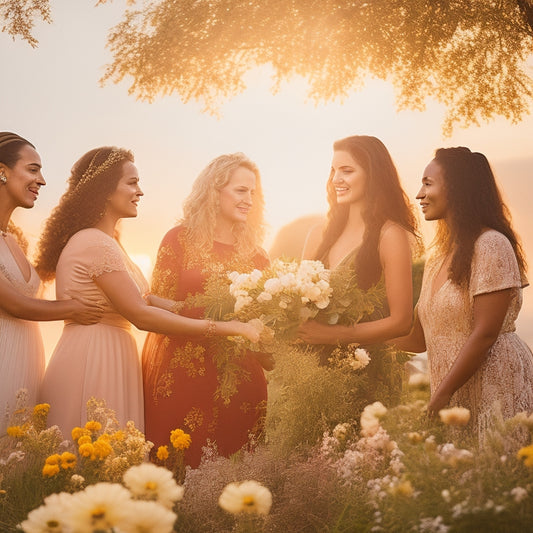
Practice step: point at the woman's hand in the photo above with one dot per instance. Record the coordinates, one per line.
(248, 330)
(85, 311)
(439, 400)
(313, 332)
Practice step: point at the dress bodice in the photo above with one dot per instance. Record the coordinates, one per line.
(10, 271)
(88, 254)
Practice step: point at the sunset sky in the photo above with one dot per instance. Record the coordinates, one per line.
(51, 96)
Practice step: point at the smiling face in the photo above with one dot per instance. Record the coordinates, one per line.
(24, 179)
(432, 194)
(236, 197)
(348, 178)
(123, 201)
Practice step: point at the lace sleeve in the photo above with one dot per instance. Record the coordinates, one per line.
(104, 257)
(494, 265)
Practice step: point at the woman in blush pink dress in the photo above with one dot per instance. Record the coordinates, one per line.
(21, 349)
(471, 295)
(80, 248)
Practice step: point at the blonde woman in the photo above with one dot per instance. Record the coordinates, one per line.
(80, 248)
(221, 229)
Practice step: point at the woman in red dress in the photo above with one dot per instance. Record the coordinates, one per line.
(184, 379)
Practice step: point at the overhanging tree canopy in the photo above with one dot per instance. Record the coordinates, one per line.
(470, 55)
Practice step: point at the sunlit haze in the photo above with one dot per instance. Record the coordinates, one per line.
(51, 96)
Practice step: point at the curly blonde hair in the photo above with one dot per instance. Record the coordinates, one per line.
(92, 180)
(201, 206)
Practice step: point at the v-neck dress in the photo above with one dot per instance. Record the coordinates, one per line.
(21, 348)
(100, 360)
(446, 315)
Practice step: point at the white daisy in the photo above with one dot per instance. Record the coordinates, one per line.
(246, 497)
(150, 482)
(47, 518)
(148, 517)
(99, 507)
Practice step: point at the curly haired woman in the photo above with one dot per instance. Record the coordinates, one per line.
(80, 248)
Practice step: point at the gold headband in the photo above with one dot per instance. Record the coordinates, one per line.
(114, 156)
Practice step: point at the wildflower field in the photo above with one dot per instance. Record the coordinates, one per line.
(319, 468)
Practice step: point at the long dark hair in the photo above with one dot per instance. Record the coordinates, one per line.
(384, 200)
(474, 203)
(92, 180)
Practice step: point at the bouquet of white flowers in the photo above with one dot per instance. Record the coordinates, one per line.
(282, 296)
(287, 293)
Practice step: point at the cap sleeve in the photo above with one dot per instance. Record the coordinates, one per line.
(99, 254)
(494, 265)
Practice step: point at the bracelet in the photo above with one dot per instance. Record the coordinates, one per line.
(210, 330)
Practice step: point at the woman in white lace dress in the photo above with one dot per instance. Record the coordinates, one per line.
(471, 294)
(21, 347)
(80, 248)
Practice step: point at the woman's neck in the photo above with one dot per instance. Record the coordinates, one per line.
(107, 225)
(224, 233)
(6, 210)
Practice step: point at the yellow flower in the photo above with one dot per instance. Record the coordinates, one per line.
(68, 460)
(78, 432)
(102, 448)
(162, 453)
(455, 416)
(41, 409)
(119, 435)
(15, 431)
(53, 459)
(50, 470)
(93, 425)
(86, 450)
(415, 437)
(84, 440)
(404, 488)
(526, 454)
(179, 439)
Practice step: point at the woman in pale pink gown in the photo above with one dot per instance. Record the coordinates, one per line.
(21, 348)
(79, 247)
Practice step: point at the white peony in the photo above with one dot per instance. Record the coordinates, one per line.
(370, 418)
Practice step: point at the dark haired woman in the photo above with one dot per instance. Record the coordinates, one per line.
(80, 249)
(371, 229)
(21, 349)
(471, 294)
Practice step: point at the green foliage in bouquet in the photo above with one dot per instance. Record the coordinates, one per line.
(287, 294)
(348, 303)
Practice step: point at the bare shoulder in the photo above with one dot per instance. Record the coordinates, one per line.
(312, 241)
(391, 231)
(394, 242)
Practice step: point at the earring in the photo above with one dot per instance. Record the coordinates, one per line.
(3, 179)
